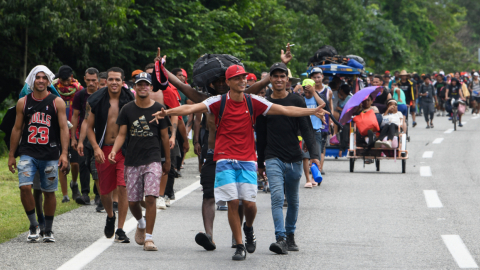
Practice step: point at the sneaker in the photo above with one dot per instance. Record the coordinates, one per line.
(65, 199)
(75, 191)
(34, 234)
(222, 208)
(250, 240)
(414, 124)
(84, 199)
(97, 199)
(167, 201)
(285, 203)
(161, 203)
(428, 126)
(149, 245)
(172, 197)
(240, 253)
(121, 237)
(280, 247)
(115, 207)
(450, 118)
(438, 114)
(140, 235)
(100, 207)
(460, 125)
(110, 226)
(205, 240)
(322, 172)
(292, 246)
(48, 238)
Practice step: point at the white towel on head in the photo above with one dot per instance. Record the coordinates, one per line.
(33, 73)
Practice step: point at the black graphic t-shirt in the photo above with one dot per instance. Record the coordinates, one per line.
(144, 138)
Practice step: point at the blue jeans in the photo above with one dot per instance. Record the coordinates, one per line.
(284, 177)
(47, 169)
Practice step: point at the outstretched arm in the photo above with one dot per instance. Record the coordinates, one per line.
(293, 111)
(181, 110)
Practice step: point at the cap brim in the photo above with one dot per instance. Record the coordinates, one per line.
(239, 74)
(143, 79)
(278, 68)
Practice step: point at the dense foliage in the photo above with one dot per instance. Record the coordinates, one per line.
(417, 35)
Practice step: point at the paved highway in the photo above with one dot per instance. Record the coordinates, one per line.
(427, 218)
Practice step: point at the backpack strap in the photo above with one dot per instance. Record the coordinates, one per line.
(248, 98)
(223, 102)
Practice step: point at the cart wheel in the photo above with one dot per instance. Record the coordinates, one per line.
(352, 164)
(377, 164)
(404, 165)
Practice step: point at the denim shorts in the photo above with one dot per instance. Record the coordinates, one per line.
(47, 169)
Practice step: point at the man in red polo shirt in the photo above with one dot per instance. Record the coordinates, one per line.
(236, 177)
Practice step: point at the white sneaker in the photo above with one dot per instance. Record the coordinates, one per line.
(167, 201)
(33, 234)
(161, 203)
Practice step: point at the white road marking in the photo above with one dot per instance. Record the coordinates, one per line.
(425, 171)
(428, 154)
(449, 130)
(459, 251)
(463, 123)
(90, 253)
(432, 199)
(438, 141)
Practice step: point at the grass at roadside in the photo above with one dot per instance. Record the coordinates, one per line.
(13, 220)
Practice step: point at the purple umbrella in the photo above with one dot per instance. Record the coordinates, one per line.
(352, 105)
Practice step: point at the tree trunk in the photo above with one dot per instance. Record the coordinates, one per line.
(25, 56)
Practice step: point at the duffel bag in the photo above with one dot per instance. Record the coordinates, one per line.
(357, 58)
(209, 67)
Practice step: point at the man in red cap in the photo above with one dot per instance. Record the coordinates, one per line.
(251, 79)
(236, 178)
(205, 146)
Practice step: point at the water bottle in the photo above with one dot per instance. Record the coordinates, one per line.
(317, 176)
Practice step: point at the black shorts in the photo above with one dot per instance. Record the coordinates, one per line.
(477, 99)
(207, 177)
(74, 157)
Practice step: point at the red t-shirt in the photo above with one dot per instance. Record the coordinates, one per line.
(235, 138)
(171, 98)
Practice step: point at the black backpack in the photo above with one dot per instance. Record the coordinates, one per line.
(209, 67)
(322, 53)
(223, 102)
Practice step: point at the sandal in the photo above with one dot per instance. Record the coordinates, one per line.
(314, 184)
(308, 185)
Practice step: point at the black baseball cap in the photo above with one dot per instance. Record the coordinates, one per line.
(143, 77)
(279, 66)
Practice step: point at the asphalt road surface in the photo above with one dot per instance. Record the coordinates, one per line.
(427, 218)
